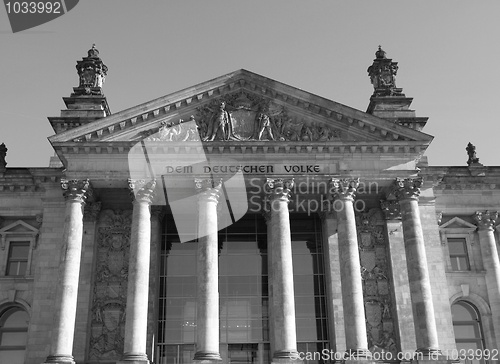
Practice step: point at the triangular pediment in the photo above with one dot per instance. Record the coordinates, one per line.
(18, 227)
(458, 224)
(254, 108)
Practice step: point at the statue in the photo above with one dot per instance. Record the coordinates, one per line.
(264, 124)
(3, 154)
(221, 122)
(471, 151)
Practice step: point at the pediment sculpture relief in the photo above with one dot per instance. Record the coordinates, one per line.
(243, 117)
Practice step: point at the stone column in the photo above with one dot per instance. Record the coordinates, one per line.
(407, 192)
(136, 314)
(75, 193)
(399, 274)
(350, 269)
(332, 274)
(281, 275)
(207, 309)
(486, 221)
(267, 216)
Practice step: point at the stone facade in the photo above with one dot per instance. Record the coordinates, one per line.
(91, 255)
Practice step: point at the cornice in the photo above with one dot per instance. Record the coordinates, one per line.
(28, 179)
(375, 148)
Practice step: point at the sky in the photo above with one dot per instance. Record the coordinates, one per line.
(448, 54)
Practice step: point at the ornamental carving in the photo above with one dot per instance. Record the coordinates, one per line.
(391, 209)
(382, 74)
(277, 188)
(471, 152)
(91, 72)
(208, 188)
(241, 117)
(486, 220)
(374, 260)
(344, 188)
(110, 285)
(407, 188)
(77, 190)
(142, 190)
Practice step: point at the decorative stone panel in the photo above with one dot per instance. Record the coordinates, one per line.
(375, 273)
(110, 286)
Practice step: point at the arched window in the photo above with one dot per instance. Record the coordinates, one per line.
(13, 335)
(467, 327)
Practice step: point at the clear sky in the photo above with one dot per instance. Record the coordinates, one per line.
(448, 54)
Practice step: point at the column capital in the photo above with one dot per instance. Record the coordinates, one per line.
(279, 188)
(407, 188)
(142, 190)
(486, 220)
(91, 211)
(76, 190)
(345, 188)
(391, 209)
(208, 188)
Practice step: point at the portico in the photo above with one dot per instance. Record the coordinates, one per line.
(268, 241)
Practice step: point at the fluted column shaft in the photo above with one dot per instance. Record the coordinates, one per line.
(350, 268)
(486, 221)
(136, 323)
(407, 191)
(207, 310)
(283, 300)
(75, 193)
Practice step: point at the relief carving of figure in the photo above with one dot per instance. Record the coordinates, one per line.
(221, 123)
(168, 131)
(385, 344)
(264, 125)
(307, 134)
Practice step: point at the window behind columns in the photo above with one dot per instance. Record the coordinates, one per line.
(13, 335)
(309, 285)
(459, 256)
(243, 294)
(468, 333)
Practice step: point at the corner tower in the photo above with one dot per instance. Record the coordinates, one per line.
(87, 102)
(388, 101)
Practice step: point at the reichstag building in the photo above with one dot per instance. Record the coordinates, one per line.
(243, 220)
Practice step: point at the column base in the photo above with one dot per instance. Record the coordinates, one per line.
(286, 357)
(206, 357)
(59, 359)
(133, 358)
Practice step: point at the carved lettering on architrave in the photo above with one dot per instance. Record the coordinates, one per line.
(377, 295)
(110, 285)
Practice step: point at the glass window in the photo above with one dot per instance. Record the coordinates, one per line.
(467, 327)
(13, 335)
(17, 261)
(458, 254)
(308, 279)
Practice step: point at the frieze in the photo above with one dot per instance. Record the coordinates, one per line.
(110, 285)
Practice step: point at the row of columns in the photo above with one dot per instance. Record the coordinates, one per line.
(280, 275)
